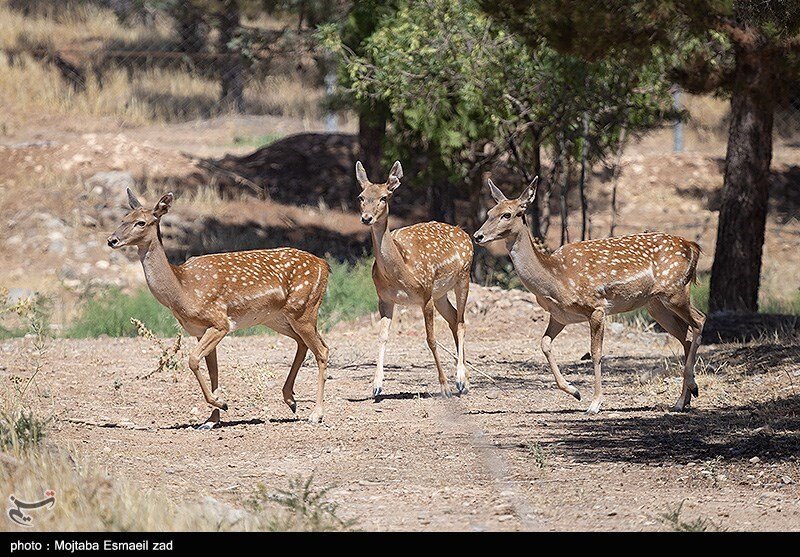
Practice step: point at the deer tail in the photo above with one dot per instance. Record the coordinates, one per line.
(696, 250)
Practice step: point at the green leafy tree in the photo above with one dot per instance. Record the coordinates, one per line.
(462, 94)
(747, 49)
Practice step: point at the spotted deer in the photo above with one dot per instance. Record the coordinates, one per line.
(416, 265)
(213, 295)
(586, 281)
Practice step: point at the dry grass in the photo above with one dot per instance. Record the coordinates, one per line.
(152, 96)
(89, 498)
(70, 27)
(31, 90)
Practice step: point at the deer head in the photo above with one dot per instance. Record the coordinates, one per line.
(507, 216)
(140, 226)
(374, 198)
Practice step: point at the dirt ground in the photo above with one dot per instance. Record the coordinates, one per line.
(513, 454)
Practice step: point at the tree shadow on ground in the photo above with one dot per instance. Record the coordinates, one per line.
(769, 429)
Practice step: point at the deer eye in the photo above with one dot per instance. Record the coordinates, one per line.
(505, 216)
(140, 223)
(384, 198)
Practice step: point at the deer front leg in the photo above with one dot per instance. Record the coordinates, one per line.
(213, 375)
(427, 311)
(208, 342)
(386, 310)
(596, 326)
(553, 328)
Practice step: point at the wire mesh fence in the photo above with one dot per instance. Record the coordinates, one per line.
(173, 62)
(705, 127)
(170, 65)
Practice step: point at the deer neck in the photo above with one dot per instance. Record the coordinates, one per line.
(387, 254)
(532, 263)
(160, 275)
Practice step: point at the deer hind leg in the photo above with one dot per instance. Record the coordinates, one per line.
(671, 323)
(386, 310)
(682, 307)
(208, 342)
(213, 375)
(678, 328)
(553, 329)
(596, 326)
(446, 309)
(427, 312)
(308, 333)
(288, 386)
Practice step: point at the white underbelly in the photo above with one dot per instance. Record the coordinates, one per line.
(250, 319)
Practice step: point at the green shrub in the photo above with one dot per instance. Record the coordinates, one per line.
(110, 314)
(257, 141)
(351, 293)
(700, 292)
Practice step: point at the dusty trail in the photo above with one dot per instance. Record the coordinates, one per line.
(513, 454)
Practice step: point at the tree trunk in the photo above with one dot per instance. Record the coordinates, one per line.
(582, 178)
(190, 27)
(736, 271)
(371, 131)
(231, 64)
(536, 154)
(442, 204)
(535, 212)
(565, 168)
(615, 180)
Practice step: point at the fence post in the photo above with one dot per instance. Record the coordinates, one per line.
(677, 129)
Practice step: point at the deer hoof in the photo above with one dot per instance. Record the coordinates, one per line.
(681, 407)
(446, 392)
(463, 388)
(315, 417)
(576, 394)
(376, 391)
(223, 405)
(594, 407)
(206, 426)
(293, 407)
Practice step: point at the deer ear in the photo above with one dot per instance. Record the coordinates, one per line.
(497, 195)
(361, 174)
(527, 197)
(132, 201)
(394, 176)
(163, 205)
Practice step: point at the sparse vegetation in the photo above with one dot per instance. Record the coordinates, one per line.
(89, 499)
(302, 507)
(20, 429)
(537, 453)
(256, 142)
(673, 520)
(111, 312)
(171, 355)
